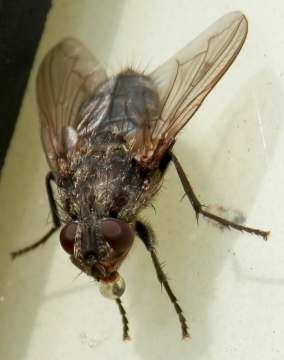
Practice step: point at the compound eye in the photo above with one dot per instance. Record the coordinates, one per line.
(67, 237)
(118, 234)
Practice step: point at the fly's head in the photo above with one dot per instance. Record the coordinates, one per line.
(98, 249)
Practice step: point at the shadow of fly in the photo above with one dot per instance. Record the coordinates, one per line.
(109, 141)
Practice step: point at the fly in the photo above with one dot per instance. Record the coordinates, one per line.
(109, 141)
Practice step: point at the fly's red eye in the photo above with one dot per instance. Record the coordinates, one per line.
(67, 237)
(118, 234)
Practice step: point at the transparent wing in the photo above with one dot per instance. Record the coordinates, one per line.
(185, 80)
(67, 76)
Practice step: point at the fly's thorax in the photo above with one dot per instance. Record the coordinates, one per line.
(107, 182)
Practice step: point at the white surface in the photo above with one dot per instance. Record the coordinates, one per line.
(229, 284)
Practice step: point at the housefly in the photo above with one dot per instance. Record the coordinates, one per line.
(109, 140)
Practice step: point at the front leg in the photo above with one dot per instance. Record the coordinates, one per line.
(55, 220)
(146, 234)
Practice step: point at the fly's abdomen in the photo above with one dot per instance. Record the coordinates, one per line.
(120, 105)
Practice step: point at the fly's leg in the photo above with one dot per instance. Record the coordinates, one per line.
(198, 207)
(146, 234)
(122, 311)
(124, 319)
(55, 220)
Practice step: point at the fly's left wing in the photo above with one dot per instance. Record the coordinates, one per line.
(184, 81)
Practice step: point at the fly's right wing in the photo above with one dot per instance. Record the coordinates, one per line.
(68, 75)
